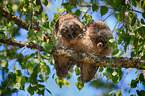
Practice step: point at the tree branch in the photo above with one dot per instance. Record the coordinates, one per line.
(21, 23)
(82, 57)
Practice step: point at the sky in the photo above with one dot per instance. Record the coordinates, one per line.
(73, 91)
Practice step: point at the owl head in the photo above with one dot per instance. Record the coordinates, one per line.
(99, 32)
(69, 26)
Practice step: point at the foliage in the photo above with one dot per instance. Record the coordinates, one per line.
(130, 32)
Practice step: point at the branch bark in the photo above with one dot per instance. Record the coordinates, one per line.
(81, 57)
(123, 62)
(21, 23)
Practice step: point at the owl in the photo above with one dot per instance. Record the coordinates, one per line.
(95, 41)
(68, 29)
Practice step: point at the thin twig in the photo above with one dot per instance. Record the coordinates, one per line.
(124, 81)
(109, 15)
(21, 23)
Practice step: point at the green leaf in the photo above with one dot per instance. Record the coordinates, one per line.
(115, 51)
(134, 3)
(66, 83)
(118, 93)
(101, 69)
(17, 86)
(77, 71)
(46, 69)
(133, 54)
(118, 16)
(141, 77)
(140, 31)
(60, 10)
(39, 36)
(43, 28)
(141, 92)
(78, 13)
(142, 66)
(69, 76)
(119, 54)
(114, 79)
(44, 76)
(143, 15)
(31, 90)
(68, 6)
(103, 10)
(4, 63)
(23, 81)
(36, 8)
(79, 85)
(59, 82)
(133, 21)
(134, 83)
(34, 61)
(46, 46)
(95, 7)
(18, 73)
(54, 40)
(31, 35)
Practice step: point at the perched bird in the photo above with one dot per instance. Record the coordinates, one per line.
(68, 29)
(95, 41)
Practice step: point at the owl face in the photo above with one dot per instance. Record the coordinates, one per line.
(71, 29)
(99, 32)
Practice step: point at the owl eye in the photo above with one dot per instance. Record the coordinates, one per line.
(101, 42)
(75, 31)
(100, 45)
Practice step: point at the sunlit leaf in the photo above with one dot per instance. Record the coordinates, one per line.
(44, 76)
(59, 82)
(45, 2)
(66, 83)
(60, 10)
(77, 71)
(119, 54)
(79, 85)
(84, 9)
(46, 46)
(112, 92)
(69, 76)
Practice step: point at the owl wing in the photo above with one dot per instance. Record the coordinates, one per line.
(62, 65)
(87, 72)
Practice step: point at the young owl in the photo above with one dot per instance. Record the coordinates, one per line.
(94, 42)
(68, 30)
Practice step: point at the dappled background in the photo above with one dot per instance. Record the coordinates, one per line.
(101, 86)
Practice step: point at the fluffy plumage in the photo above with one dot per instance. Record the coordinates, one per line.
(68, 30)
